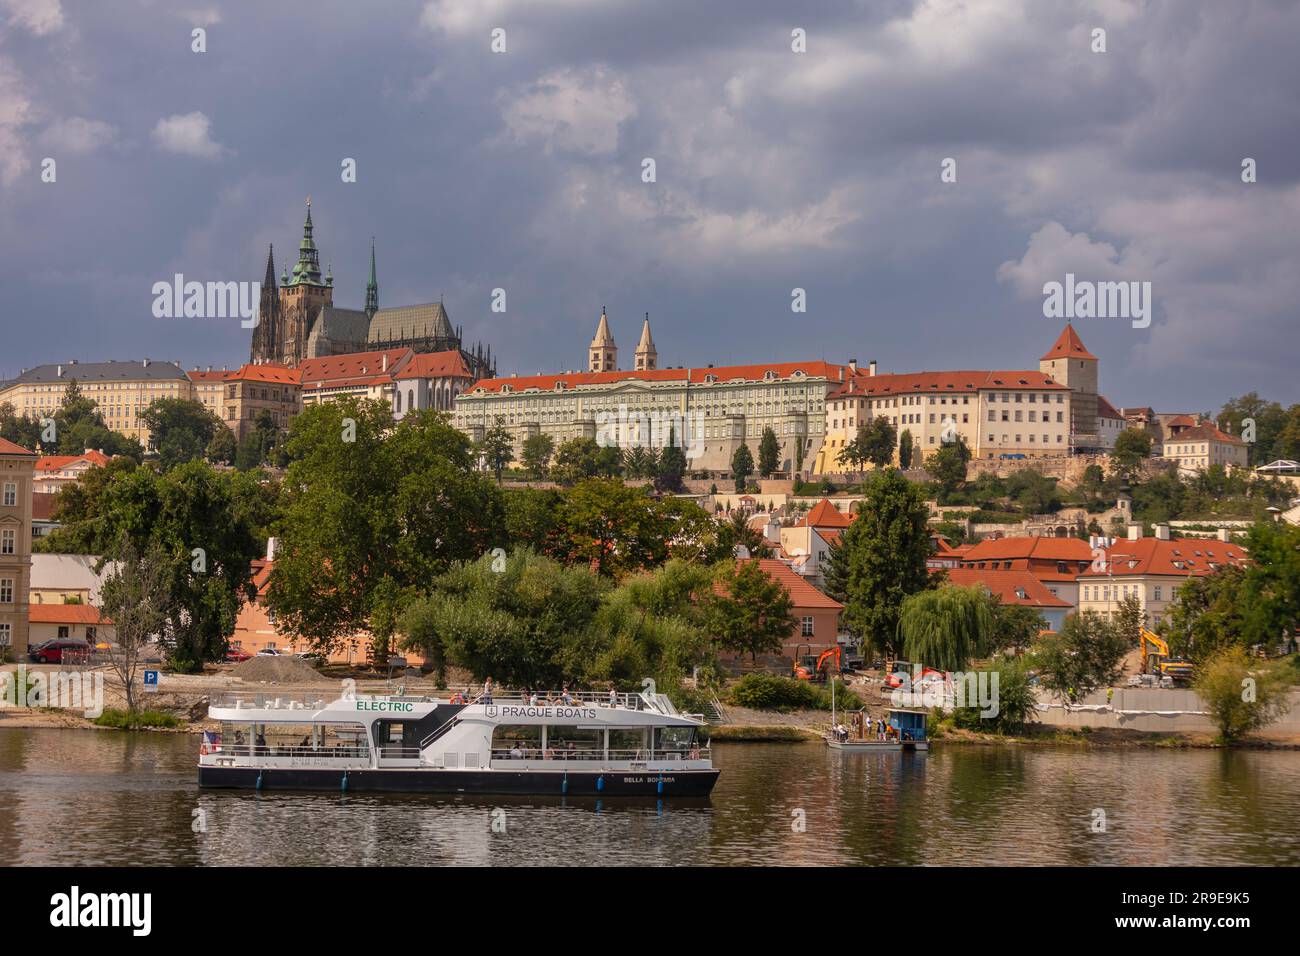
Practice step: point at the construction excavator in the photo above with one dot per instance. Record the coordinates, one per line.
(1157, 660)
(814, 667)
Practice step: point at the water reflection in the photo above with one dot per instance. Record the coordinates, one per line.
(78, 798)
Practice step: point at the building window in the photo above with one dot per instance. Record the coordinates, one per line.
(6, 590)
(807, 627)
(63, 631)
(6, 634)
(11, 494)
(7, 538)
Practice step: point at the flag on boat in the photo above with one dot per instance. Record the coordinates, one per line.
(211, 742)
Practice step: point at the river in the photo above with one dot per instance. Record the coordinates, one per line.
(78, 798)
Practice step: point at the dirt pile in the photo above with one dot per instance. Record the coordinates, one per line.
(278, 670)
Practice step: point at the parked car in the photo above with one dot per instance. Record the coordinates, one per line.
(268, 652)
(51, 652)
(237, 655)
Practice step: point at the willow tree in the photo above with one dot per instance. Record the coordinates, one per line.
(947, 627)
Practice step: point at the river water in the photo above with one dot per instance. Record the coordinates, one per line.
(78, 798)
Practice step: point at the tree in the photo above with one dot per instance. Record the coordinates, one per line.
(1084, 655)
(769, 453)
(576, 459)
(748, 611)
(259, 444)
(905, 449)
(1130, 619)
(742, 466)
(136, 597)
(179, 429)
(947, 466)
(538, 450)
(497, 448)
(1242, 697)
(1132, 448)
(1270, 420)
(879, 441)
(22, 430)
(881, 558)
(1016, 701)
(672, 465)
(533, 519)
(1034, 492)
(734, 532)
(614, 528)
(370, 513)
(222, 449)
(1015, 626)
(947, 627)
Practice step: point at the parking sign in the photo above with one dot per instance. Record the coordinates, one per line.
(151, 682)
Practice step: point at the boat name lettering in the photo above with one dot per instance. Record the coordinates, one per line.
(584, 713)
(390, 705)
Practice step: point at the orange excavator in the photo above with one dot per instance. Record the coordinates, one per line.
(814, 667)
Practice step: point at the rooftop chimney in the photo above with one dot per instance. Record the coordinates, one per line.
(384, 367)
(871, 367)
(1224, 535)
(145, 363)
(853, 366)
(1162, 532)
(271, 544)
(1134, 532)
(59, 371)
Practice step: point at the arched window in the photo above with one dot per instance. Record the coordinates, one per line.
(397, 402)
(410, 398)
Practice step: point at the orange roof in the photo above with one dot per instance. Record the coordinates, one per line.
(825, 515)
(1068, 345)
(1040, 548)
(959, 381)
(217, 375)
(64, 614)
(1106, 410)
(1013, 587)
(9, 448)
(1205, 432)
(696, 376)
(59, 462)
(448, 364)
(803, 594)
(267, 372)
(352, 367)
(1181, 556)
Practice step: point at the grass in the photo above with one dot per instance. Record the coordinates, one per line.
(122, 720)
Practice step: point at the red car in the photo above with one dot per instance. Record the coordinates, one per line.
(51, 652)
(237, 656)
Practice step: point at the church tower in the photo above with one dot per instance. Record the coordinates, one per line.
(266, 335)
(647, 357)
(603, 352)
(302, 295)
(1072, 365)
(372, 286)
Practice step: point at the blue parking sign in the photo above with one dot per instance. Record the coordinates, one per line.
(151, 681)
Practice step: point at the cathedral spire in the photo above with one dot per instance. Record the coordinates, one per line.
(306, 270)
(372, 286)
(269, 281)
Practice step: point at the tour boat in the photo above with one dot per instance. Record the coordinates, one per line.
(574, 744)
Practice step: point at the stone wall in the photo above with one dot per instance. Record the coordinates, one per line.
(1155, 710)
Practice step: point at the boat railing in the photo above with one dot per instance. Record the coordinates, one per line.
(262, 700)
(560, 698)
(341, 752)
(399, 753)
(560, 753)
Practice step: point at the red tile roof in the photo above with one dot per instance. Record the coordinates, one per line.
(1154, 556)
(215, 375)
(448, 364)
(967, 381)
(9, 448)
(696, 376)
(803, 594)
(1068, 345)
(1106, 410)
(353, 367)
(267, 372)
(1040, 548)
(1205, 432)
(59, 462)
(64, 614)
(824, 515)
(1009, 585)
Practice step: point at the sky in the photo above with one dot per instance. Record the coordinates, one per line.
(775, 170)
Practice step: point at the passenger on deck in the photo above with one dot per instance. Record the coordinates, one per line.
(532, 698)
(565, 696)
(613, 697)
(515, 751)
(487, 690)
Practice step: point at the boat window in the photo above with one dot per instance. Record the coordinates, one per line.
(674, 738)
(330, 740)
(564, 740)
(627, 739)
(523, 740)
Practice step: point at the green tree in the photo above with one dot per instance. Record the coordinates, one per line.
(1015, 626)
(497, 448)
(576, 459)
(1083, 656)
(1016, 701)
(533, 519)
(137, 597)
(179, 429)
(371, 513)
(734, 532)
(878, 443)
(1242, 695)
(769, 453)
(742, 466)
(947, 467)
(1270, 420)
(947, 627)
(672, 465)
(881, 558)
(1130, 619)
(614, 528)
(538, 450)
(222, 449)
(1132, 448)
(748, 611)
(905, 449)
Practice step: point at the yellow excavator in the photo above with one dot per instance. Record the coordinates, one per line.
(1157, 660)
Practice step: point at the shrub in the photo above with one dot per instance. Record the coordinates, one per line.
(769, 692)
(124, 720)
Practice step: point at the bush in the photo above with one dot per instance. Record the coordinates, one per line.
(769, 692)
(123, 720)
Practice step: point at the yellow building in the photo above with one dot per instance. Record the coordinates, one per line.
(1202, 446)
(120, 390)
(239, 396)
(16, 469)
